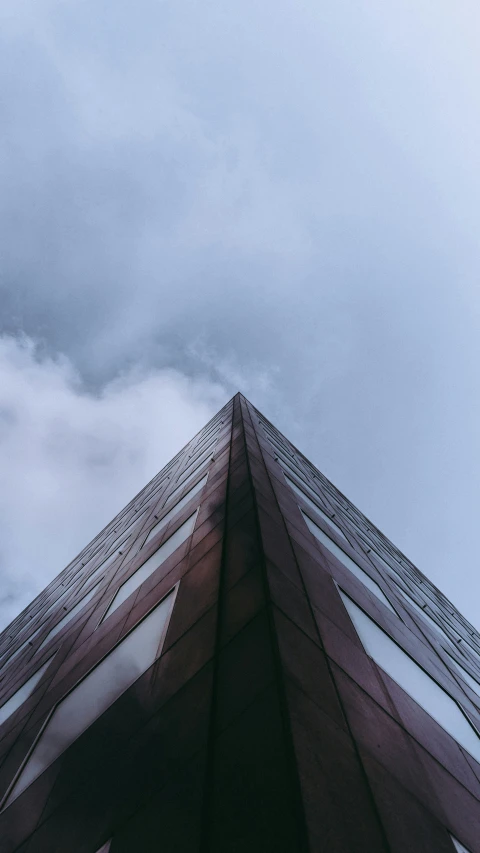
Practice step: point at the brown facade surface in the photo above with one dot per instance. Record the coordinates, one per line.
(309, 689)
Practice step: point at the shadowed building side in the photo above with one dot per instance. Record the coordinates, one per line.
(240, 661)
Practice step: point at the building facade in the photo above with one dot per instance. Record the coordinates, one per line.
(240, 661)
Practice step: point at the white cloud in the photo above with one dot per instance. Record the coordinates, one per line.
(279, 196)
(70, 459)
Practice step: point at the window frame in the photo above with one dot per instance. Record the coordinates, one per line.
(174, 592)
(45, 667)
(390, 607)
(298, 491)
(172, 510)
(44, 643)
(104, 616)
(203, 469)
(343, 594)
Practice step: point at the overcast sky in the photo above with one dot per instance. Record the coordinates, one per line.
(281, 198)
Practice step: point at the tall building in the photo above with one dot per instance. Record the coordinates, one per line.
(240, 661)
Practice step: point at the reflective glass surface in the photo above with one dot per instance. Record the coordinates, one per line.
(26, 642)
(149, 566)
(202, 453)
(96, 692)
(348, 562)
(413, 679)
(314, 506)
(125, 534)
(184, 483)
(466, 676)
(176, 509)
(18, 698)
(68, 616)
(423, 614)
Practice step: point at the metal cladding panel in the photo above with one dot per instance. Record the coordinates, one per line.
(263, 723)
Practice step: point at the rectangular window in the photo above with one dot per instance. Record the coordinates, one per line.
(47, 606)
(424, 615)
(413, 679)
(198, 460)
(208, 429)
(469, 651)
(314, 506)
(208, 440)
(175, 510)
(146, 498)
(466, 676)
(288, 460)
(121, 543)
(22, 694)
(27, 642)
(278, 445)
(184, 483)
(105, 565)
(374, 548)
(69, 616)
(347, 561)
(302, 485)
(290, 468)
(96, 692)
(125, 534)
(156, 560)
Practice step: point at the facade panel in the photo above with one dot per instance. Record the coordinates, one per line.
(309, 689)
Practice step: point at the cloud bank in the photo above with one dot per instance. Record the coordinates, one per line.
(279, 198)
(71, 459)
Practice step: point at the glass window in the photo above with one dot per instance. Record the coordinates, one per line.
(125, 534)
(302, 485)
(314, 506)
(19, 697)
(466, 676)
(153, 492)
(175, 510)
(413, 679)
(280, 446)
(67, 618)
(375, 549)
(291, 468)
(424, 615)
(48, 606)
(156, 560)
(288, 460)
(102, 567)
(458, 846)
(96, 692)
(348, 562)
(198, 460)
(183, 484)
(215, 427)
(26, 643)
(466, 648)
(202, 446)
(121, 543)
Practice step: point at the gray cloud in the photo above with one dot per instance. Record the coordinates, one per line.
(71, 459)
(278, 197)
